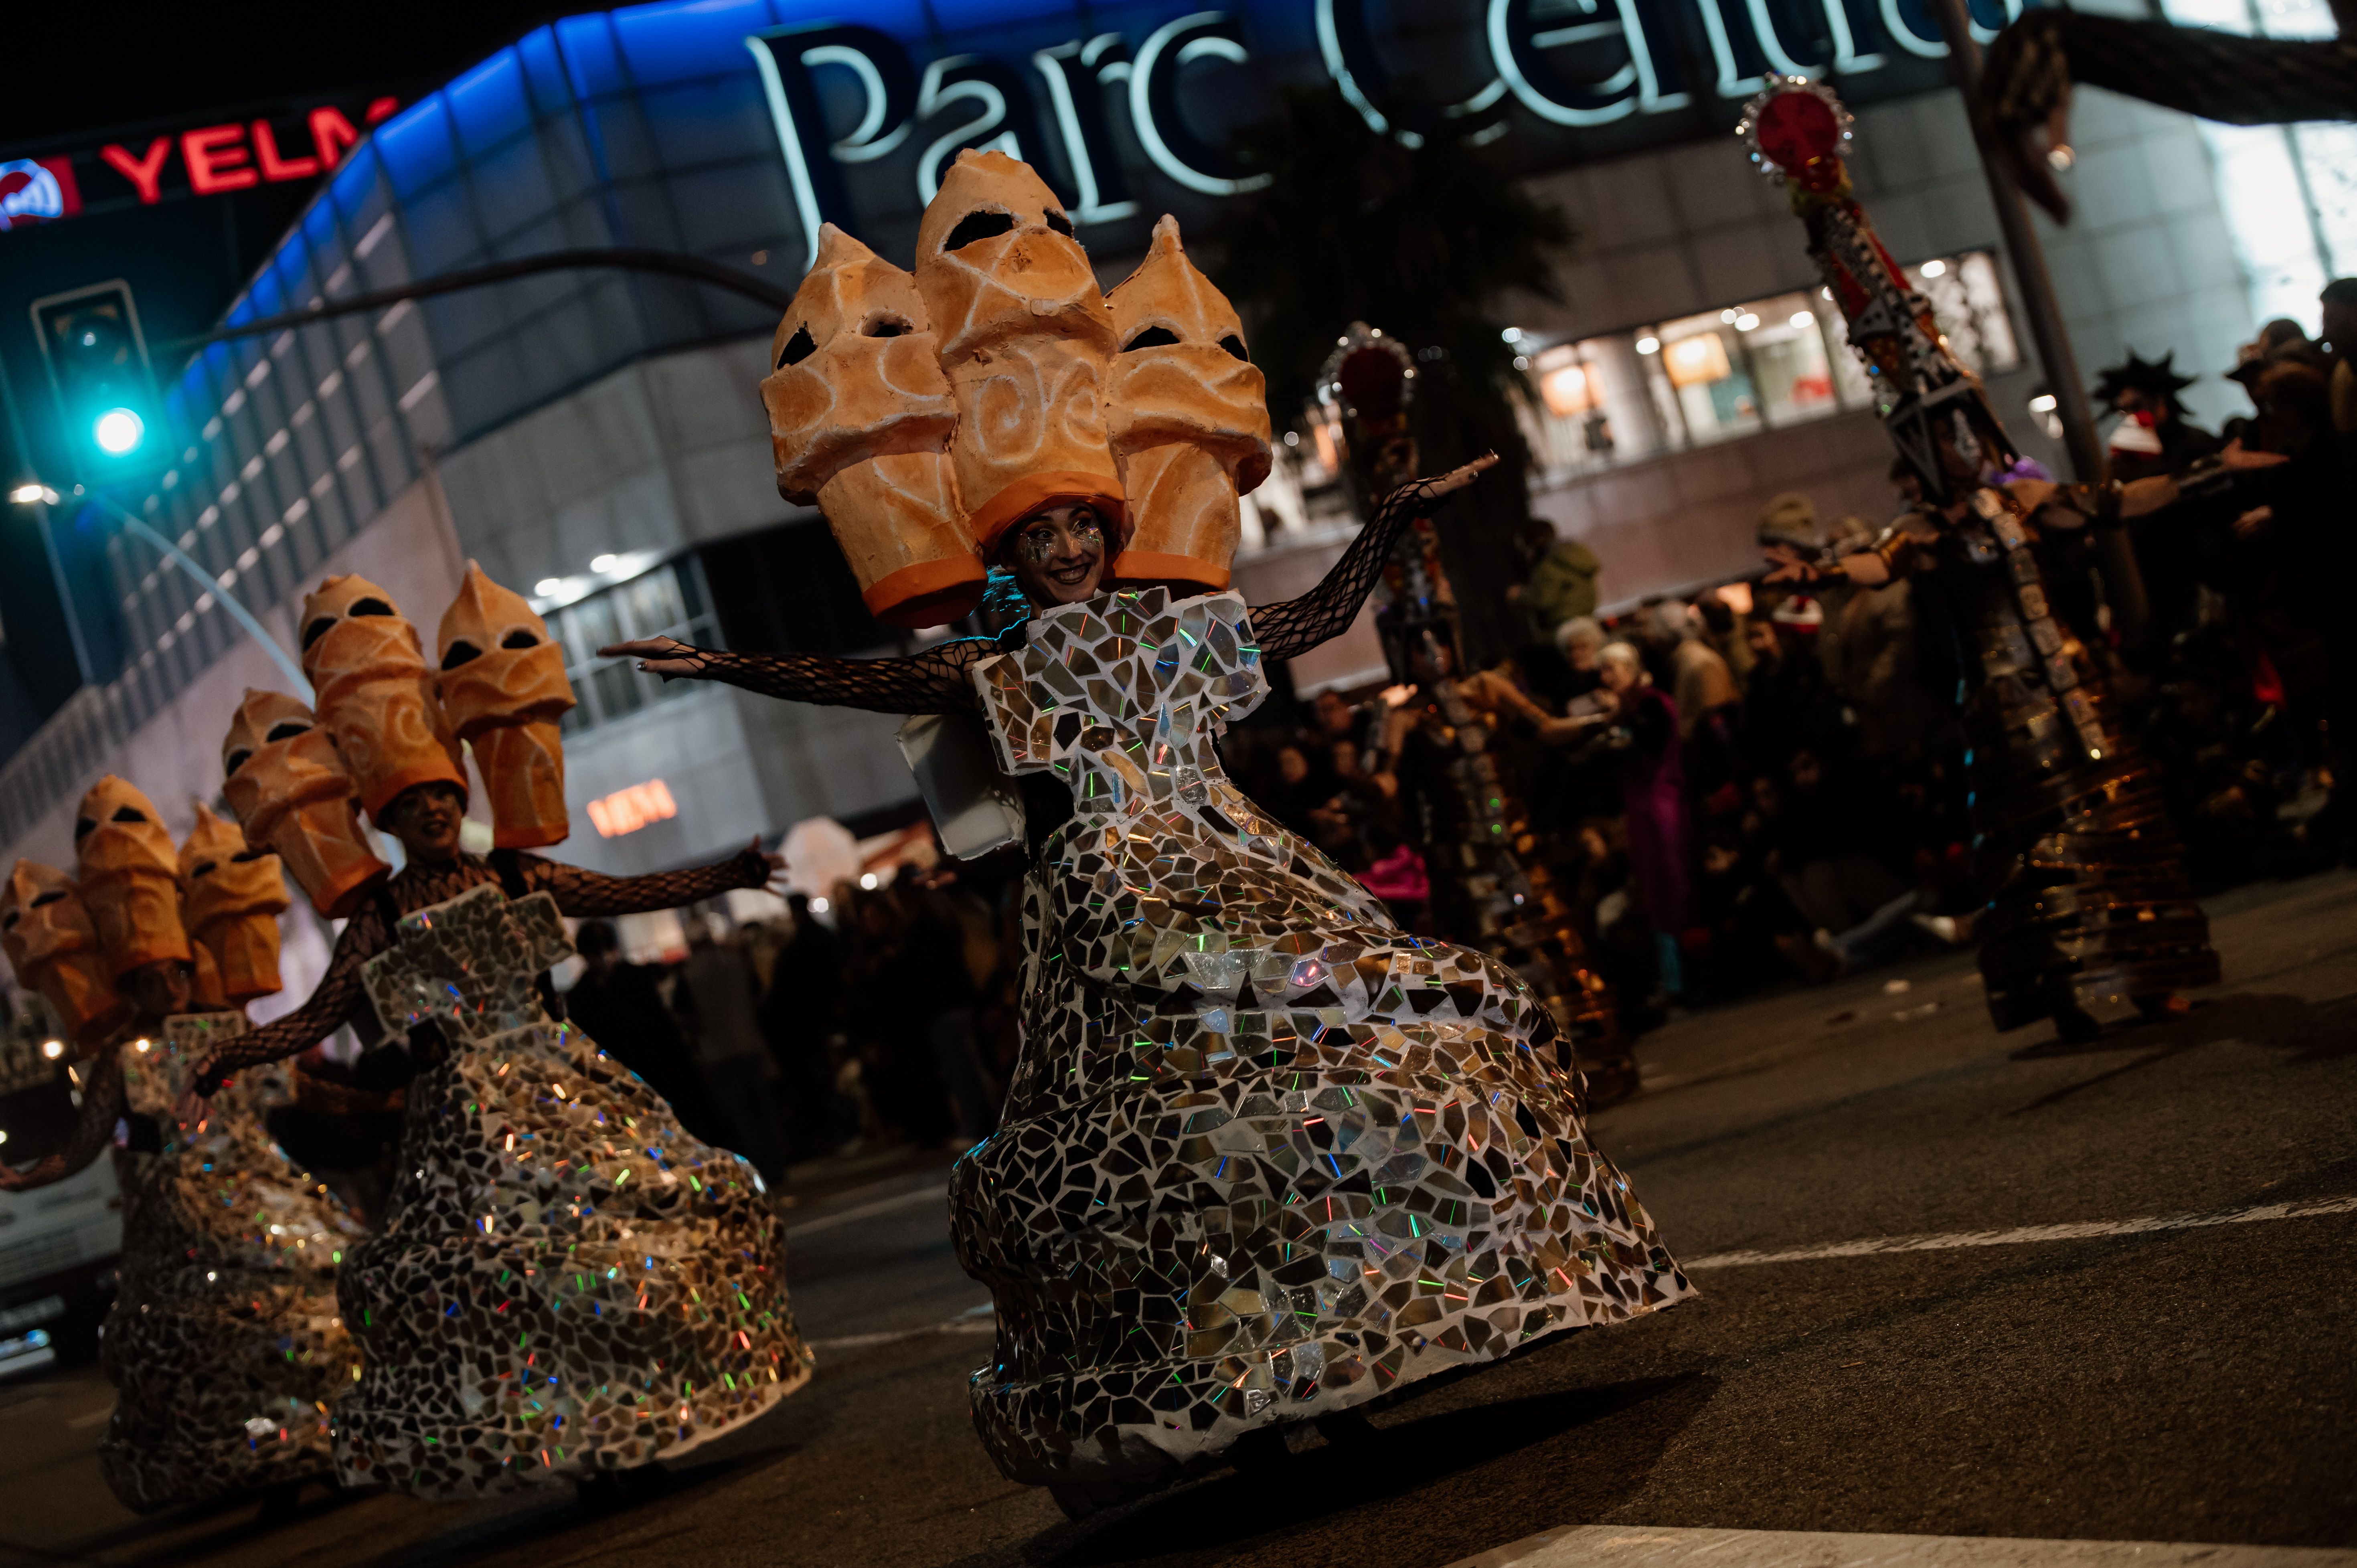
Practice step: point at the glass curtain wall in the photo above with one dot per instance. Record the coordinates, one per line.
(1762, 365)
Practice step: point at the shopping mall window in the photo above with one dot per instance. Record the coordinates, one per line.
(1761, 365)
(669, 601)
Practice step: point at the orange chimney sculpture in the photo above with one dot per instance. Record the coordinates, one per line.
(46, 933)
(130, 877)
(291, 791)
(503, 691)
(231, 895)
(376, 691)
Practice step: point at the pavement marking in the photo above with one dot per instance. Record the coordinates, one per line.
(2305, 1208)
(869, 1210)
(983, 1319)
(1640, 1547)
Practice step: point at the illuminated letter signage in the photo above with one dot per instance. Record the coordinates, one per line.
(628, 810)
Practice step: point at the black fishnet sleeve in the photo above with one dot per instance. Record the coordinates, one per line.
(92, 1135)
(1326, 611)
(2219, 76)
(579, 892)
(338, 995)
(934, 681)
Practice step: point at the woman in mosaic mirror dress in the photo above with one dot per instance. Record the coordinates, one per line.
(1265, 1157)
(566, 1286)
(224, 1345)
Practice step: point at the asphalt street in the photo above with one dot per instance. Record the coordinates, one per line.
(1954, 1283)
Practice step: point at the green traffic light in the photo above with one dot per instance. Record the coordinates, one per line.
(118, 432)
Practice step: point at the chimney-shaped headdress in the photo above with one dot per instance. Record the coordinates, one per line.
(130, 877)
(230, 897)
(503, 691)
(860, 421)
(288, 786)
(376, 691)
(46, 933)
(1187, 412)
(1024, 335)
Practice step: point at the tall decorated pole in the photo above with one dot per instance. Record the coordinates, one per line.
(1801, 133)
(2088, 906)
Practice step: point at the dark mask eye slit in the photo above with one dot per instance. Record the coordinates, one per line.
(287, 729)
(518, 637)
(84, 827)
(244, 855)
(1059, 222)
(1152, 337)
(370, 608)
(976, 226)
(318, 630)
(203, 869)
(40, 899)
(1235, 345)
(128, 814)
(799, 346)
(235, 761)
(886, 326)
(8, 921)
(461, 652)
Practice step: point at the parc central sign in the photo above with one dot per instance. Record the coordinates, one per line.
(1102, 111)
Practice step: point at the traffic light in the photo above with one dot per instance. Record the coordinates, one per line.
(97, 359)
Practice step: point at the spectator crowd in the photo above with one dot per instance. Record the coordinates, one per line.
(1749, 785)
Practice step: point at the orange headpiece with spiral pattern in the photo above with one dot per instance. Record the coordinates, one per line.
(1188, 416)
(376, 691)
(130, 877)
(46, 933)
(503, 690)
(231, 895)
(288, 785)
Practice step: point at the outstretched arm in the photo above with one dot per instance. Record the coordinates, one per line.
(579, 892)
(934, 681)
(93, 1131)
(2027, 80)
(1297, 626)
(339, 994)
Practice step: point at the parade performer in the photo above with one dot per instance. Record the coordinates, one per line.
(1266, 1157)
(224, 1344)
(1491, 887)
(2089, 905)
(566, 1285)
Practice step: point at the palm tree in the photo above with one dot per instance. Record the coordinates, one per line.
(1424, 241)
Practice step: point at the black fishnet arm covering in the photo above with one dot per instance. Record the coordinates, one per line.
(2219, 76)
(579, 892)
(934, 681)
(1294, 628)
(93, 1131)
(331, 1005)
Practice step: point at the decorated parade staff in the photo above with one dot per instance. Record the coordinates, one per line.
(224, 1345)
(565, 1283)
(1491, 885)
(1266, 1157)
(2089, 907)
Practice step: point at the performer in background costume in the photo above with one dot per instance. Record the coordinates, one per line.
(1265, 1157)
(565, 1283)
(1491, 887)
(2091, 907)
(224, 1345)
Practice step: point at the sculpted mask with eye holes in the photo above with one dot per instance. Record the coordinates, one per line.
(376, 691)
(860, 420)
(230, 899)
(1024, 336)
(503, 689)
(1187, 414)
(53, 948)
(288, 786)
(130, 877)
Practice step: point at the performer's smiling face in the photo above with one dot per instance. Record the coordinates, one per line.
(424, 818)
(1057, 555)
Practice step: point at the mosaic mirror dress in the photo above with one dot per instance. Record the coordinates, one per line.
(225, 1345)
(1266, 1157)
(565, 1282)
